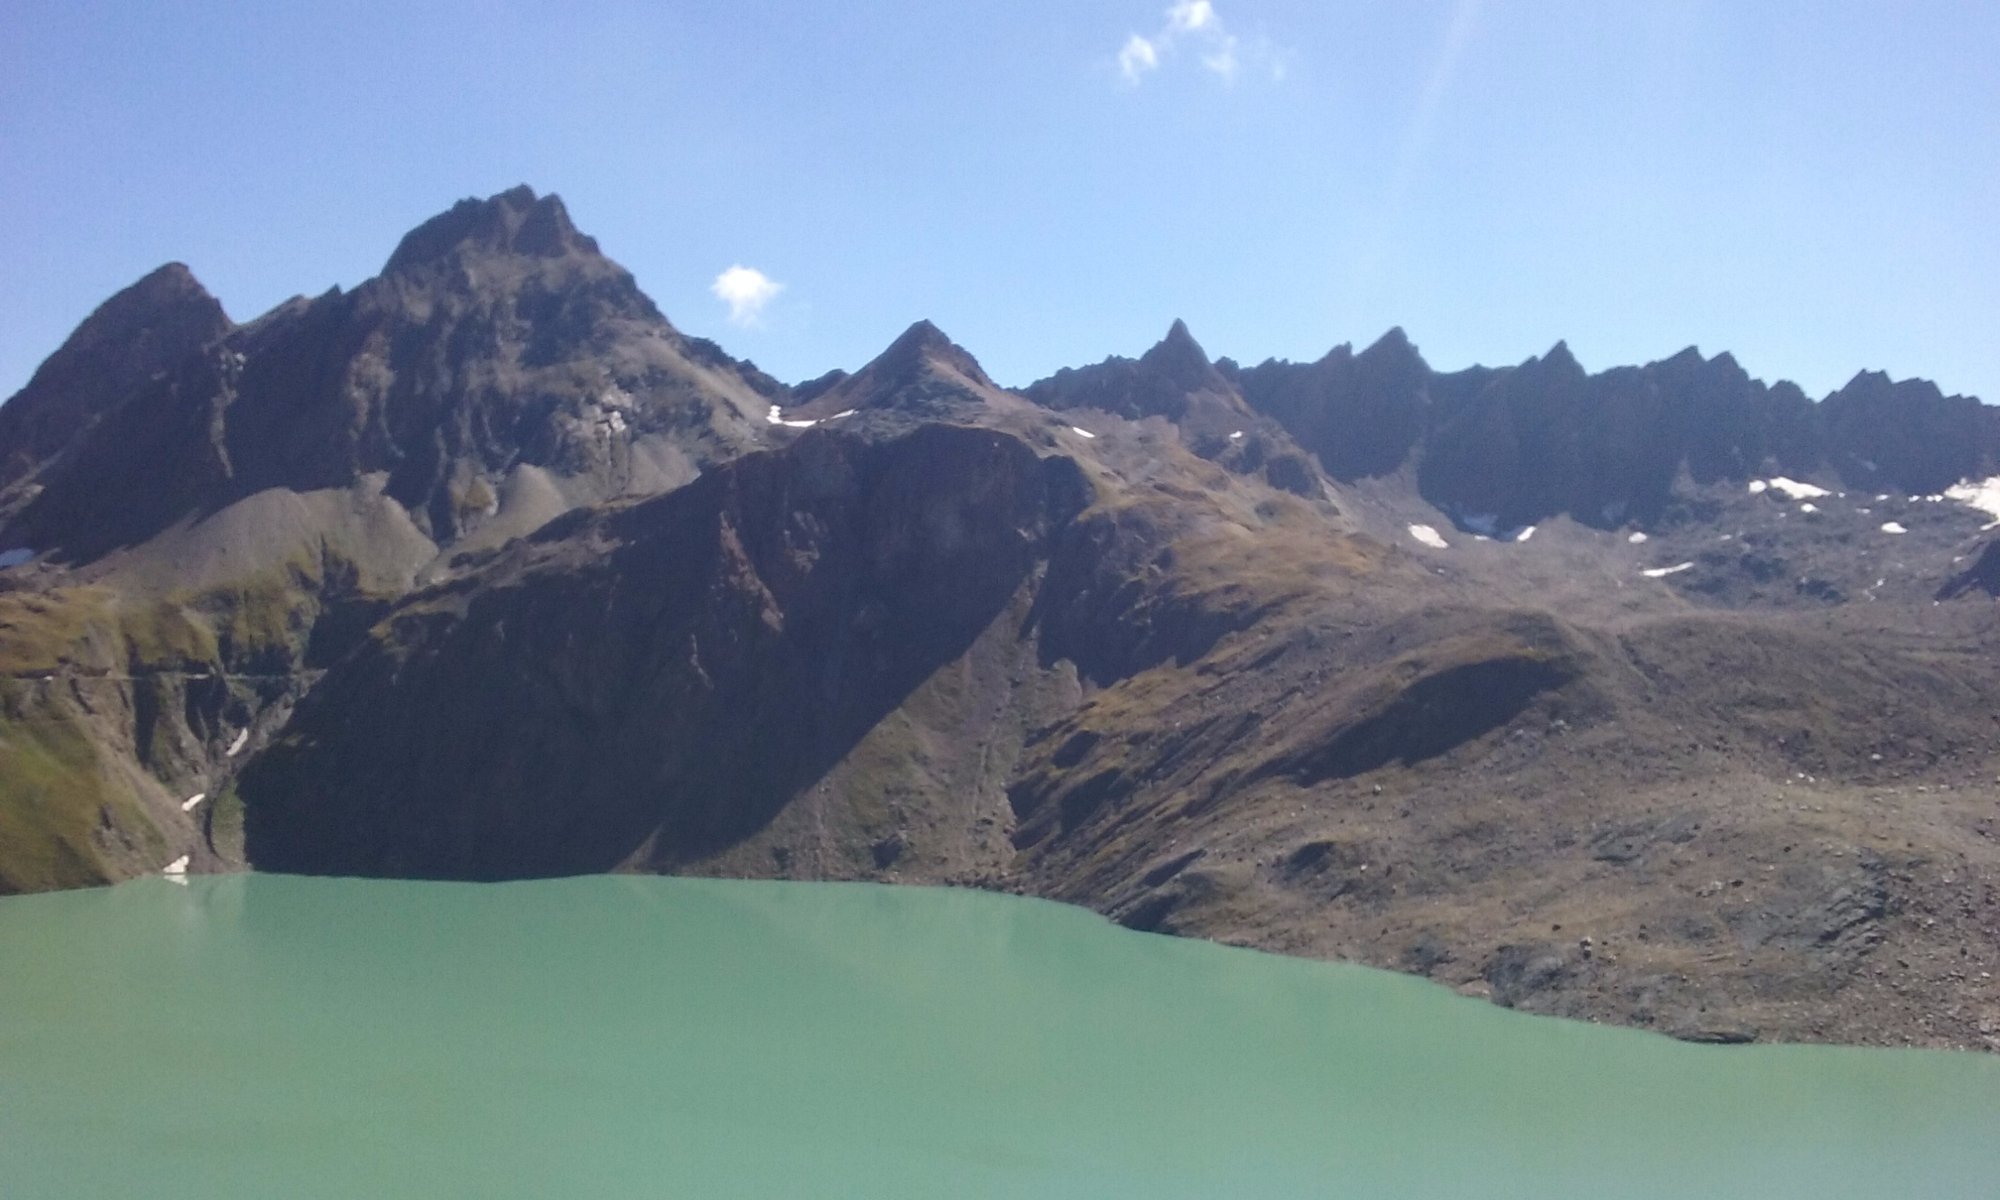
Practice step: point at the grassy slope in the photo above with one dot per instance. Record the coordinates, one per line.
(81, 799)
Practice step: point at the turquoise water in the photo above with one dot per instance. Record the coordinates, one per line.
(263, 1036)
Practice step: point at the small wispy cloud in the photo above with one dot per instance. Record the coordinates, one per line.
(1138, 57)
(1195, 26)
(746, 291)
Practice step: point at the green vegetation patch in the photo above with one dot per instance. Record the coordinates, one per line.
(43, 631)
(53, 798)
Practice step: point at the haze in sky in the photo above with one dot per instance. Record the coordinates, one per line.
(1812, 187)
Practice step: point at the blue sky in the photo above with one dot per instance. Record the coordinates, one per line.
(1812, 186)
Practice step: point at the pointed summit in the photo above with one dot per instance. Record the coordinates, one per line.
(923, 347)
(918, 340)
(1393, 342)
(167, 306)
(1171, 380)
(136, 334)
(536, 351)
(514, 222)
(920, 365)
(1393, 351)
(1180, 359)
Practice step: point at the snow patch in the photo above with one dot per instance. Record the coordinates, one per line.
(188, 804)
(1893, 527)
(1237, 436)
(1757, 487)
(1983, 494)
(14, 558)
(236, 747)
(1798, 491)
(177, 867)
(1663, 572)
(1082, 433)
(1429, 537)
(1637, 539)
(1808, 508)
(1527, 531)
(845, 412)
(777, 417)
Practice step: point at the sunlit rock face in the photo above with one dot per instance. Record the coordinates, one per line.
(1658, 694)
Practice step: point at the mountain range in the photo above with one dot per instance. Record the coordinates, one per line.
(1660, 695)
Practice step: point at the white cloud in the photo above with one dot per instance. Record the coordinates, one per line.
(1137, 58)
(1195, 24)
(1190, 15)
(746, 291)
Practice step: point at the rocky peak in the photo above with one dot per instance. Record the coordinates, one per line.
(921, 340)
(924, 349)
(1907, 434)
(1360, 414)
(514, 222)
(1171, 380)
(1393, 345)
(498, 338)
(1687, 359)
(1392, 362)
(1179, 360)
(1559, 360)
(136, 334)
(922, 365)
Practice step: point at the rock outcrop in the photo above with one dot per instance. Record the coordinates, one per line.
(498, 368)
(1631, 695)
(114, 355)
(654, 684)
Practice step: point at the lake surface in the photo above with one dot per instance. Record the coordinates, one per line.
(263, 1036)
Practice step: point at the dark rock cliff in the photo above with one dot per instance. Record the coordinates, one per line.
(657, 681)
(131, 338)
(1518, 445)
(484, 570)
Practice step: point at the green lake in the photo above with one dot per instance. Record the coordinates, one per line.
(265, 1036)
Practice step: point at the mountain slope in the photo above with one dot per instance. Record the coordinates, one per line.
(117, 351)
(497, 372)
(1657, 695)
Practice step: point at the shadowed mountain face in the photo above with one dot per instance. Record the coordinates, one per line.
(659, 681)
(115, 354)
(1362, 415)
(496, 340)
(1172, 380)
(1658, 695)
(1519, 445)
